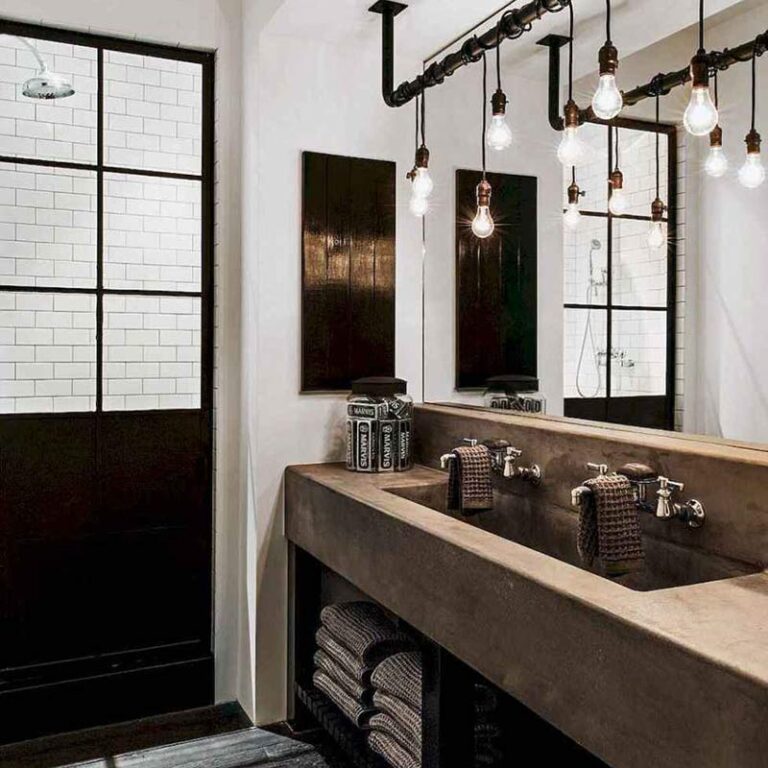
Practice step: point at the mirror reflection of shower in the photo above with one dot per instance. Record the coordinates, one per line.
(597, 279)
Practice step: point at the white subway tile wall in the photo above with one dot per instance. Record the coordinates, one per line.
(47, 352)
(639, 272)
(153, 113)
(585, 342)
(151, 352)
(60, 129)
(639, 363)
(47, 226)
(152, 233)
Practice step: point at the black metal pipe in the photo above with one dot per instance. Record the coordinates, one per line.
(513, 24)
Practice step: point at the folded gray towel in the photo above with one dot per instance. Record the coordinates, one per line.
(470, 488)
(387, 724)
(609, 529)
(391, 751)
(407, 718)
(339, 675)
(364, 629)
(356, 668)
(356, 711)
(400, 675)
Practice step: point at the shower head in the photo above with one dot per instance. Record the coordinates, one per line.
(45, 84)
(596, 245)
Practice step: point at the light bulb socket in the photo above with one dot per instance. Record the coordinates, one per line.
(422, 157)
(484, 190)
(571, 114)
(608, 58)
(700, 70)
(499, 103)
(658, 209)
(716, 137)
(574, 193)
(753, 142)
(617, 180)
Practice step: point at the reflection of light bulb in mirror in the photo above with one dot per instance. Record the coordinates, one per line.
(422, 183)
(607, 101)
(657, 237)
(572, 150)
(572, 216)
(700, 116)
(482, 224)
(418, 205)
(752, 173)
(716, 163)
(499, 134)
(618, 203)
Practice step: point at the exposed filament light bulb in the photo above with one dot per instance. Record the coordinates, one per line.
(619, 203)
(499, 134)
(752, 173)
(418, 206)
(482, 224)
(572, 151)
(422, 183)
(572, 215)
(657, 234)
(700, 116)
(608, 101)
(716, 163)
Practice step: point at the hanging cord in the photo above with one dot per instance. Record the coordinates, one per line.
(570, 54)
(701, 26)
(608, 21)
(424, 119)
(573, 174)
(717, 95)
(498, 65)
(658, 161)
(617, 166)
(754, 86)
(416, 138)
(485, 100)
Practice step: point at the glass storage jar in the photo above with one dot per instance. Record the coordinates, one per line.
(379, 425)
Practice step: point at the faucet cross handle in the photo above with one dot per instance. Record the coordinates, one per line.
(470, 441)
(601, 469)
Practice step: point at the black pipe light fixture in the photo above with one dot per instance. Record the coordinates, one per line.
(752, 173)
(700, 117)
(618, 202)
(499, 134)
(482, 224)
(657, 233)
(421, 181)
(716, 164)
(607, 101)
(572, 150)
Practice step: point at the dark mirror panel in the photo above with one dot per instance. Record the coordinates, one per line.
(496, 281)
(348, 279)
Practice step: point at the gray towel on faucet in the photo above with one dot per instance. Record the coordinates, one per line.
(470, 488)
(609, 530)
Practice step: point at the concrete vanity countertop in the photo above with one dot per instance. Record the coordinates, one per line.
(675, 677)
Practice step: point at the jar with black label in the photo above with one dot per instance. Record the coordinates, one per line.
(518, 394)
(379, 425)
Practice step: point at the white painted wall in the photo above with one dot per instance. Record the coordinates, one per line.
(454, 128)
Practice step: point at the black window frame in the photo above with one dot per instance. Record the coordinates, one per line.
(609, 307)
(206, 179)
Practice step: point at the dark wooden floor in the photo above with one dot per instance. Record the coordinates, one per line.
(214, 737)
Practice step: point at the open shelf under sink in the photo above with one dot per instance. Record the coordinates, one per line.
(553, 533)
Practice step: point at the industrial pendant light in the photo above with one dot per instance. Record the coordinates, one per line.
(572, 150)
(657, 235)
(716, 163)
(421, 182)
(752, 173)
(618, 202)
(499, 134)
(607, 101)
(700, 116)
(482, 224)
(572, 215)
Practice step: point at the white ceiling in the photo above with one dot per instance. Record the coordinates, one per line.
(427, 25)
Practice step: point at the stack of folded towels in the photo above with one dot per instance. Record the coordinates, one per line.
(396, 727)
(353, 638)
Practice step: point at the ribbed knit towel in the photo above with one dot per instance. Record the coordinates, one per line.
(356, 668)
(364, 629)
(391, 751)
(470, 488)
(339, 675)
(609, 530)
(400, 675)
(357, 712)
(394, 728)
(407, 718)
